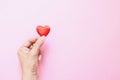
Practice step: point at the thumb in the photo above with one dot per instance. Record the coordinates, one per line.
(37, 45)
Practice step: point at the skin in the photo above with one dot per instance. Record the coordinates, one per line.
(28, 55)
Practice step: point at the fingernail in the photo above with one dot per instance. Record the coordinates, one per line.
(39, 57)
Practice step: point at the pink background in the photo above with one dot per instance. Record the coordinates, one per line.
(84, 42)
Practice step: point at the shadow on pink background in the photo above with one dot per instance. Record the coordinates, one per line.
(84, 42)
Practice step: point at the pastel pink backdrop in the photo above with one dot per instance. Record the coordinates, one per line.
(84, 42)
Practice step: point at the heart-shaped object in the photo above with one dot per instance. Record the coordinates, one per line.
(43, 30)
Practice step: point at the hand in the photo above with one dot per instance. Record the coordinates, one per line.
(28, 55)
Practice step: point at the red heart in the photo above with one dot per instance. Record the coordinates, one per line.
(43, 31)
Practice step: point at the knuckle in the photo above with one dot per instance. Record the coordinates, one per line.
(19, 51)
(33, 54)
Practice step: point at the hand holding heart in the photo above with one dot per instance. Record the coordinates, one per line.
(29, 54)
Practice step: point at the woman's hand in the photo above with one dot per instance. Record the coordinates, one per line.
(28, 55)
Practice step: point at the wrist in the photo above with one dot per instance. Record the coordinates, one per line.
(30, 75)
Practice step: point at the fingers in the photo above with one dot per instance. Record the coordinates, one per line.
(29, 42)
(37, 45)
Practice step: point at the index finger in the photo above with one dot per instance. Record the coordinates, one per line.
(29, 42)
